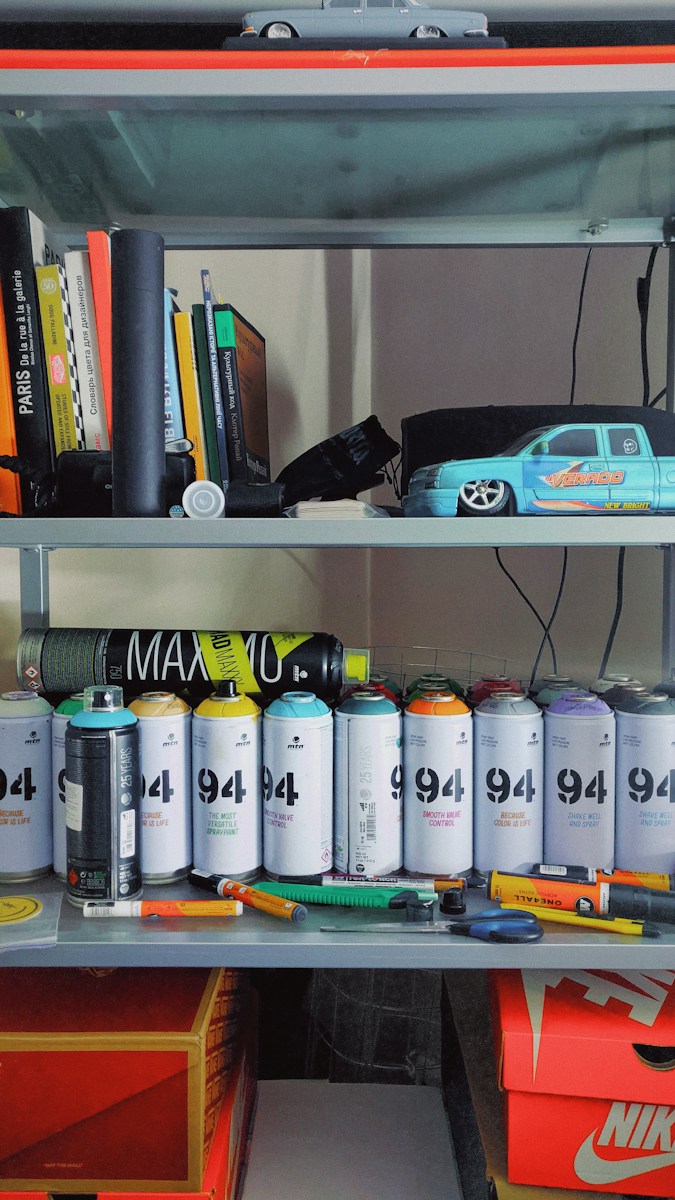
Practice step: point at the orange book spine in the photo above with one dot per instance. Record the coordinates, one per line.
(10, 492)
(98, 244)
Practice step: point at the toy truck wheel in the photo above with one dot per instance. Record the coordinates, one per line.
(278, 29)
(484, 498)
(426, 31)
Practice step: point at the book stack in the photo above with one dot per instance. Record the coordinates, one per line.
(56, 348)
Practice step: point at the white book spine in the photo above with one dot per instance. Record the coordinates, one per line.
(87, 356)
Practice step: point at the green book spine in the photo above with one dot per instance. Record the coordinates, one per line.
(208, 415)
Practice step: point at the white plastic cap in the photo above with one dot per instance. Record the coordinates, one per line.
(203, 499)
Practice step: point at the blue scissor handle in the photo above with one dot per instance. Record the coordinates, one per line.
(499, 928)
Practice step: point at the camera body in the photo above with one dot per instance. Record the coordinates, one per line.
(84, 482)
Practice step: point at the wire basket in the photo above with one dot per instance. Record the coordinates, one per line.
(403, 664)
(375, 1026)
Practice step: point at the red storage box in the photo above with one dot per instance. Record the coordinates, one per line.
(116, 1077)
(587, 1061)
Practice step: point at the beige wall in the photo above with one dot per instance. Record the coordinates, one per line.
(397, 331)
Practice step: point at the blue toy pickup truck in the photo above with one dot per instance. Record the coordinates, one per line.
(559, 469)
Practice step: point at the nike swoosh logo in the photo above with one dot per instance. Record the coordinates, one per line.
(590, 1168)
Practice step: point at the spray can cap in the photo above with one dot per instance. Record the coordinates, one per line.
(226, 690)
(355, 666)
(108, 698)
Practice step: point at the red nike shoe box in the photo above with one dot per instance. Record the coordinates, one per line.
(586, 1061)
(116, 1077)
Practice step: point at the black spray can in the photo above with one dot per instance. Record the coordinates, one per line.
(103, 797)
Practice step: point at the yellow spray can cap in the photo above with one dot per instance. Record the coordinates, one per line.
(355, 666)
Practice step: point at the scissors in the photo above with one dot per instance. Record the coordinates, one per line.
(489, 925)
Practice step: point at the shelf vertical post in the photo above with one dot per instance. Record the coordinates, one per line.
(34, 576)
(668, 628)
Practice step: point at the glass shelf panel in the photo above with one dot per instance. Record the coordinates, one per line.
(358, 157)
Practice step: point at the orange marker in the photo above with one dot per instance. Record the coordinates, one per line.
(163, 908)
(277, 906)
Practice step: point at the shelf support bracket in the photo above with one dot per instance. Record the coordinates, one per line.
(34, 576)
(668, 635)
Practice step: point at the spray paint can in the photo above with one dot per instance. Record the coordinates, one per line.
(508, 782)
(226, 785)
(60, 718)
(579, 797)
(488, 685)
(555, 691)
(605, 682)
(665, 688)
(260, 663)
(645, 783)
(437, 786)
(103, 799)
(25, 786)
(553, 680)
(368, 779)
(166, 786)
(297, 787)
(614, 696)
(433, 681)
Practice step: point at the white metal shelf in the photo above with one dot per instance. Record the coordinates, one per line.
(52, 533)
(255, 940)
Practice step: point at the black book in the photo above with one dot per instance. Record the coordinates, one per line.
(241, 359)
(25, 243)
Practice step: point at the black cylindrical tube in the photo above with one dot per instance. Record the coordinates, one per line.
(641, 904)
(138, 453)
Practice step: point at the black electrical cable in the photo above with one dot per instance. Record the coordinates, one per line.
(552, 617)
(578, 324)
(656, 399)
(617, 611)
(644, 284)
(530, 605)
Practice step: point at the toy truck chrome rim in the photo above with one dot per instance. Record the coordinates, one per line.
(427, 31)
(278, 29)
(483, 495)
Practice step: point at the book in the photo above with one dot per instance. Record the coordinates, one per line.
(25, 242)
(87, 356)
(10, 491)
(190, 391)
(174, 426)
(216, 389)
(59, 353)
(241, 358)
(204, 372)
(98, 245)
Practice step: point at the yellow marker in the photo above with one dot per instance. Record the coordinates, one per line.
(606, 924)
(163, 908)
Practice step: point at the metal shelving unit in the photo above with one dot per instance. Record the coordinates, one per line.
(364, 154)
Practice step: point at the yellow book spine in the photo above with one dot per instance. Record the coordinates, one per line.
(190, 390)
(50, 287)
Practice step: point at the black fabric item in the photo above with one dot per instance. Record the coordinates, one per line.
(254, 499)
(340, 467)
(446, 433)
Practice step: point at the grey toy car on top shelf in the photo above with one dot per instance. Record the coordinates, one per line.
(370, 18)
